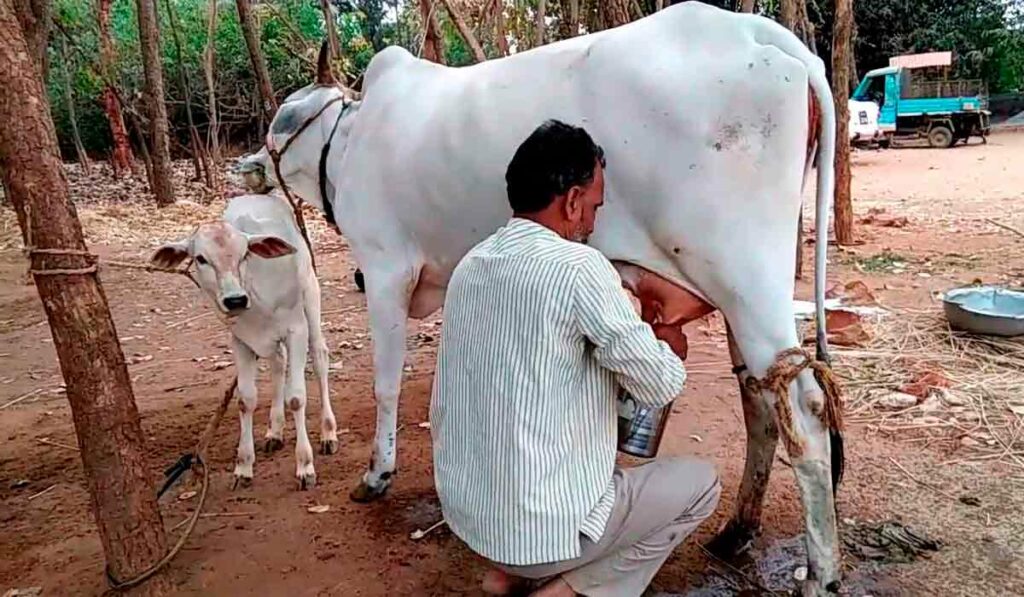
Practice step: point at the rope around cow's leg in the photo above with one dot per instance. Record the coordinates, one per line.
(778, 379)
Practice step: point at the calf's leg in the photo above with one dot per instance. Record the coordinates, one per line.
(274, 438)
(321, 366)
(245, 369)
(298, 350)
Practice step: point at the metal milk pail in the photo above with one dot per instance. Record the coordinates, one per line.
(640, 427)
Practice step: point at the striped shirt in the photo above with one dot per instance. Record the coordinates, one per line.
(538, 335)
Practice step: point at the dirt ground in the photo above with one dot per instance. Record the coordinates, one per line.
(263, 540)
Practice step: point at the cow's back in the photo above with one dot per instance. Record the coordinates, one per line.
(696, 108)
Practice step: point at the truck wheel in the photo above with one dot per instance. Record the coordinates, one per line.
(940, 137)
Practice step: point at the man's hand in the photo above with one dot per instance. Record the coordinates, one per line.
(675, 338)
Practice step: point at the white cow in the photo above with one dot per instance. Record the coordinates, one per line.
(255, 267)
(706, 118)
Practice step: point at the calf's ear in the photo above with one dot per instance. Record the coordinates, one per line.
(170, 255)
(268, 246)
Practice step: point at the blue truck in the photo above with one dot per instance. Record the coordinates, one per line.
(913, 106)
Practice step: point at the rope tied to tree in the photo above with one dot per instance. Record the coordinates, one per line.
(787, 366)
(187, 461)
(93, 260)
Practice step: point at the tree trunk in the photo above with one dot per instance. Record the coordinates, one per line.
(500, 31)
(433, 47)
(259, 64)
(793, 15)
(195, 146)
(332, 29)
(465, 32)
(209, 70)
(659, 5)
(34, 17)
(140, 139)
(540, 23)
(569, 19)
(110, 438)
(121, 158)
(162, 184)
(841, 38)
(746, 6)
(69, 97)
(615, 13)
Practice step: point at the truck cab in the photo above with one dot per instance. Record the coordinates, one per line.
(913, 105)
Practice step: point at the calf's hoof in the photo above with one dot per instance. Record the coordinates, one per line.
(241, 482)
(364, 494)
(307, 481)
(328, 446)
(273, 444)
(731, 541)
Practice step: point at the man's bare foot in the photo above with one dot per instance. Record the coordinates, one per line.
(555, 588)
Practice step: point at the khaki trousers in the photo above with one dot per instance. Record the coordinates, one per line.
(657, 505)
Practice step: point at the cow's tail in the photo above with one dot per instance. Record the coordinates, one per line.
(821, 92)
(823, 201)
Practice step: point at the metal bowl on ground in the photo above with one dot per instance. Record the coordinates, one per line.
(988, 310)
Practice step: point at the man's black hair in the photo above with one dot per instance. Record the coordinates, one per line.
(553, 159)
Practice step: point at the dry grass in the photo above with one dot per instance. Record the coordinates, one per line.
(122, 213)
(978, 417)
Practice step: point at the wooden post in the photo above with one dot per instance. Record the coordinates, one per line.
(110, 438)
(841, 38)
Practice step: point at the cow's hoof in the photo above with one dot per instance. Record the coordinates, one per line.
(360, 282)
(328, 446)
(241, 483)
(732, 541)
(307, 481)
(273, 444)
(364, 494)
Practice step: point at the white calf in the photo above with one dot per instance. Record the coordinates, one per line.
(255, 267)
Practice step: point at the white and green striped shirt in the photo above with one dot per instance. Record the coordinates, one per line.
(538, 335)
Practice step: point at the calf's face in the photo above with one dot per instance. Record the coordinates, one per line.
(220, 252)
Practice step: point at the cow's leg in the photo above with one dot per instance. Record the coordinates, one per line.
(274, 438)
(321, 366)
(763, 328)
(387, 297)
(295, 390)
(245, 369)
(762, 439)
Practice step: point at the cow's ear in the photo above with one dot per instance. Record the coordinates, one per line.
(268, 246)
(170, 255)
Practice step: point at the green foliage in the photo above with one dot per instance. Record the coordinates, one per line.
(987, 37)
